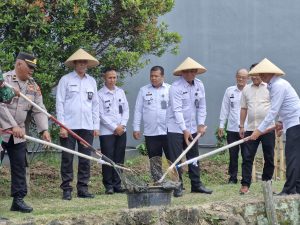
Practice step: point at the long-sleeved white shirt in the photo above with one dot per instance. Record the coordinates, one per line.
(284, 102)
(77, 104)
(114, 109)
(187, 108)
(151, 107)
(231, 109)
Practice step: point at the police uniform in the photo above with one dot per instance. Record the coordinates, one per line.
(19, 109)
(230, 112)
(151, 107)
(114, 111)
(77, 107)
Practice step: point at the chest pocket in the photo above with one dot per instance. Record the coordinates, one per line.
(148, 100)
(73, 90)
(185, 99)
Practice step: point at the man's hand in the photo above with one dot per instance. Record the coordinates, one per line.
(279, 128)
(242, 132)
(17, 92)
(201, 129)
(46, 136)
(18, 132)
(221, 132)
(63, 133)
(187, 137)
(255, 135)
(96, 133)
(136, 135)
(119, 130)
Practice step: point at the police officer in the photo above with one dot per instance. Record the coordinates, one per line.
(151, 106)
(186, 116)
(114, 114)
(77, 107)
(21, 79)
(285, 103)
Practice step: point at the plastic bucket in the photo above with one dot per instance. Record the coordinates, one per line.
(151, 197)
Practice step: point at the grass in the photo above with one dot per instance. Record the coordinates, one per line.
(45, 195)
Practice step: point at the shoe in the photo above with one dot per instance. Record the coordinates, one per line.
(282, 194)
(232, 181)
(178, 192)
(109, 191)
(85, 194)
(201, 189)
(119, 190)
(19, 205)
(67, 195)
(244, 190)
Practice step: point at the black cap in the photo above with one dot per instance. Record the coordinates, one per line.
(28, 58)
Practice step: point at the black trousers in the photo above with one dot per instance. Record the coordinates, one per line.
(112, 146)
(17, 158)
(176, 147)
(233, 155)
(84, 165)
(156, 145)
(292, 156)
(249, 151)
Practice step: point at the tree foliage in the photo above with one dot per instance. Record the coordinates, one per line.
(120, 33)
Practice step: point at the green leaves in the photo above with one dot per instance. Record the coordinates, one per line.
(120, 33)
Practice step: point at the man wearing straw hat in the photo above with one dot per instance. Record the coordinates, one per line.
(285, 103)
(255, 104)
(186, 116)
(230, 112)
(77, 107)
(21, 79)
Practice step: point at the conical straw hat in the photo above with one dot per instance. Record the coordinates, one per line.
(188, 64)
(266, 66)
(80, 54)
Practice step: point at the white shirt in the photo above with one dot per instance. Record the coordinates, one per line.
(256, 99)
(151, 106)
(187, 108)
(114, 109)
(231, 109)
(77, 104)
(284, 102)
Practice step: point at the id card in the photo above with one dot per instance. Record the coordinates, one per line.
(197, 103)
(120, 109)
(163, 104)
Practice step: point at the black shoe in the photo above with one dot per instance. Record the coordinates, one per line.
(19, 205)
(232, 182)
(201, 189)
(67, 195)
(282, 194)
(85, 194)
(109, 191)
(119, 190)
(178, 192)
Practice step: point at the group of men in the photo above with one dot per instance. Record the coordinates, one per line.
(172, 115)
(249, 111)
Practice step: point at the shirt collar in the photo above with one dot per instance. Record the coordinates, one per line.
(261, 84)
(273, 79)
(75, 74)
(163, 85)
(106, 90)
(185, 83)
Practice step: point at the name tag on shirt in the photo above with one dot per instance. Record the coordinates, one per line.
(163, 104)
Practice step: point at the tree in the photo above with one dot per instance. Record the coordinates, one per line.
(120, 33)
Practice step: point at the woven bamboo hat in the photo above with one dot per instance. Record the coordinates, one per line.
(266, 66)
(80, 54)
(189, 64)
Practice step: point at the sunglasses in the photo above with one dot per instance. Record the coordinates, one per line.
(31, 67)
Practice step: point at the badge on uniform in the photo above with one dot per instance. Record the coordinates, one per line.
(90, 95)
(197, 103)
(163, 104)
(120, 109)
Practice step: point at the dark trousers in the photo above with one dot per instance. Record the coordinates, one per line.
(156, 145)
(66, 169)
(176, 147)
(17, 158)
(249, 151)
(292, 156)
(113, 147)
(233, 154)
